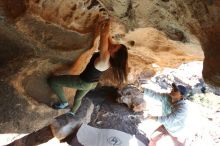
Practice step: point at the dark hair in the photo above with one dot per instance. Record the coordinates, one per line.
(119, 64)
(182, 89)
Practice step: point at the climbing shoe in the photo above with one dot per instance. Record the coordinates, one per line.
(71, 113)
(59, 105)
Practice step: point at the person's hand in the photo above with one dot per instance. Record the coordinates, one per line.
(97, 30)
(96, 35)
(96, 43)
(105, 26)
(154, 118)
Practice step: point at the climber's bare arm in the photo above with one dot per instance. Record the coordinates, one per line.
(102, 62)
(81, 62)
(85, 57)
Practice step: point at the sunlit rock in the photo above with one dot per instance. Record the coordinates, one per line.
(40, 37)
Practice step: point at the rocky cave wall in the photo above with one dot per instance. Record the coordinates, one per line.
(53, 24)
(40, 36)
(178, 20)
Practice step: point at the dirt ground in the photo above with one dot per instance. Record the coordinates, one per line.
(110, 114)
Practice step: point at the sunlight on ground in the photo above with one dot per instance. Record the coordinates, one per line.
(195, 123)
(166, 141)
(202, 123)
(133, 141)
(54, 142)
(8, 138)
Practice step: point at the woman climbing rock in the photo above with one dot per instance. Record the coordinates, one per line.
(109, 55)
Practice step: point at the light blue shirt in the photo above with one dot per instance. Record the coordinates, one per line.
(173, 114)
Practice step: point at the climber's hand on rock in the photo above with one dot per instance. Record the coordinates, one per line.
(105, 26)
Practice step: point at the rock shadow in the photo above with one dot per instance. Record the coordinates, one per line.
(109, 114)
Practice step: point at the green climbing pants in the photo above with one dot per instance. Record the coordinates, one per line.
(73, 81)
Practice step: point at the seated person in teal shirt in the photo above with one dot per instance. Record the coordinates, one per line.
(174, 113)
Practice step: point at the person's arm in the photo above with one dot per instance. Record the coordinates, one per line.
(102, 62)
(177, 116)
(85, 57)
(173, 119)
(152, 94)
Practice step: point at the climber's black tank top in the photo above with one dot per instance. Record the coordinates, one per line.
(91, 74)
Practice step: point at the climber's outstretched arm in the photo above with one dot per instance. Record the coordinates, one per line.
(104, 35)
(102, 62)
(85, 57)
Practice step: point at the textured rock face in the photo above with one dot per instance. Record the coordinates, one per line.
(53, 24)
(179, 20)
(133, 98)
(79, 15)
(39, 36)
